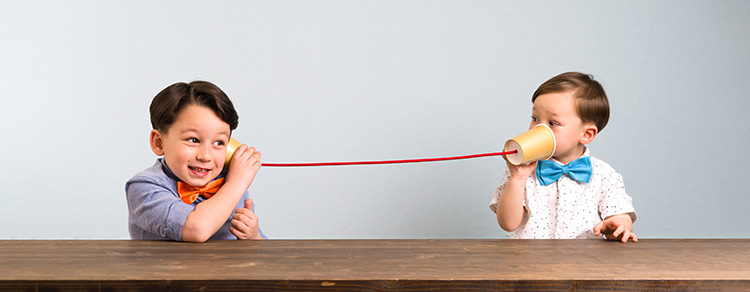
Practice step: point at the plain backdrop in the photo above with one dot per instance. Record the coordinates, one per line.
(370, 80)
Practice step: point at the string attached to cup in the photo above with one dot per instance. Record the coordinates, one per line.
(536, 144)
(386, 161)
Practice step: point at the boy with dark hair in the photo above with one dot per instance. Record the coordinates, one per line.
(188, 195)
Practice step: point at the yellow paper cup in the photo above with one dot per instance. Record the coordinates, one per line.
(232, 146)
(535, 144)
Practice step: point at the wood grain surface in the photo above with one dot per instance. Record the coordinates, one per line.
(375, 265)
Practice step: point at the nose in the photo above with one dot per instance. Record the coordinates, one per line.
(204, 153)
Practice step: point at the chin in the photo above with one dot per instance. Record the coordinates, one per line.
(196, 182)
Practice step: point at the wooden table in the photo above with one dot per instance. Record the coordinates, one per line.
(375, 265)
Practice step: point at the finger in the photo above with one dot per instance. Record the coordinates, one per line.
(245, 216)
(235, 231)
(247, 151)
(239, 234)
(251, 151)
(240, 226)
(256, 156)
(635, 238)
(619, 231)
(249, 204)
(243, 211)
(611, 226)
(625, 236)
(250, 154)
(240, 150)
(598, 228)
(243, 153)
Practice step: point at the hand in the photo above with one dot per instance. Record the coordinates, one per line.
(244, 165)
(521, 172)
(616, 227)
(244, 223)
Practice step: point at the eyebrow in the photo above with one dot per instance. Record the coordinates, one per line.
(195, 131)
(554, 115)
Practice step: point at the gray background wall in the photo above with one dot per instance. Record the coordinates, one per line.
(370, 80)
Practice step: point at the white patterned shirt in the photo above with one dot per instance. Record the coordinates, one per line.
(568, 208)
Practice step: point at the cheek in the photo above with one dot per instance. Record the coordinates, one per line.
(182, 153)
(560, 136)
(219, 157)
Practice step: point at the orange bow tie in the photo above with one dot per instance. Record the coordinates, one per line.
(189, 193)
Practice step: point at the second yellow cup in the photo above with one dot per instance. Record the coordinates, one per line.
(535, 144)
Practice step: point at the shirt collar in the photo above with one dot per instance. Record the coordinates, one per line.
(586, 152)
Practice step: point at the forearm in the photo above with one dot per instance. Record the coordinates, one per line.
(211, 214)
(510, 210)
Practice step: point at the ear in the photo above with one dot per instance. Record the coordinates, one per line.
(157, 142)
(589, 133)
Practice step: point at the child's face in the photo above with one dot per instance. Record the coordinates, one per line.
(195, 146)
(558, 111)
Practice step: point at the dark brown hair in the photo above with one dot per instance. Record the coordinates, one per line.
(168, 103)
(591, 101)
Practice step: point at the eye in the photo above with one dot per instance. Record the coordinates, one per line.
(534, 119)
(553, 123)
(193, 140)
(219, 143)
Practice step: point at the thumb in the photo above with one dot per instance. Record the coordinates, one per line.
(249, 204)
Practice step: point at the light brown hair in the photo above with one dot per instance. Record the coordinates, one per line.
(591, 101)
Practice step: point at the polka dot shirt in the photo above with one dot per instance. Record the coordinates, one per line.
(568, 208)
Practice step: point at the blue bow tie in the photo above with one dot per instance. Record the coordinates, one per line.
(549, 171)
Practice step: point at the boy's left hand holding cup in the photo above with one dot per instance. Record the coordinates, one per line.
(242, 170)
(243, 167)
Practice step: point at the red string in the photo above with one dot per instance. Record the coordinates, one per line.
(386, 161)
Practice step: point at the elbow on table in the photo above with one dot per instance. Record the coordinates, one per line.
(508, 227)
(510, 220)
(507, 224)
(196, 232)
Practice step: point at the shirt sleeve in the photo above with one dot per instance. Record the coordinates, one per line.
(614, 200)
(500, 189)
(154, 208)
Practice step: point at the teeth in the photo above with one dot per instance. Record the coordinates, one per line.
(198, 169)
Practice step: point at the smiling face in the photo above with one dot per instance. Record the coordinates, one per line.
(194, 147)
(558, 111)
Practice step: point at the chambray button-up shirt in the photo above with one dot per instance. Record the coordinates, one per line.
(155, 210)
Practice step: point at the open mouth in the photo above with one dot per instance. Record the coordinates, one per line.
(198, 170)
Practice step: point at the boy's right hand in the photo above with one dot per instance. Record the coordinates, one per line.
(521, 172)
(244, 165)
(510, 209)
